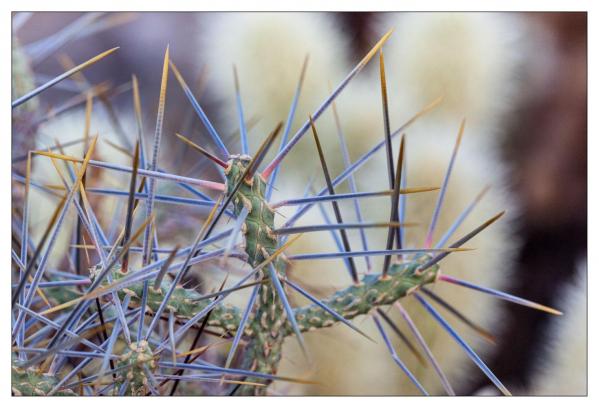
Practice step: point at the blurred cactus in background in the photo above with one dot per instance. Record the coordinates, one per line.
(563, 368)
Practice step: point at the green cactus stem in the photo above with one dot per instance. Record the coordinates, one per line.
(373, 291)
(268, 325)
(350, 302)
(30, 382)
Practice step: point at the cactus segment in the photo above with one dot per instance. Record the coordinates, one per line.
(268, 325)
(184, 303)
(373, 291)
(30, 382)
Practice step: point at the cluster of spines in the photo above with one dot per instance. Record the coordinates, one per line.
(268, 316)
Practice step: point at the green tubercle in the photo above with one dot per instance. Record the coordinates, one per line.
(136, 362)
(30, 382)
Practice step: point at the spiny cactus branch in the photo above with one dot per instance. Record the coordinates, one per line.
(145, 313)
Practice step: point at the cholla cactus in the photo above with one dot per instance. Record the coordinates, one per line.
(143, 316)
(430, 54)
(463, 56)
